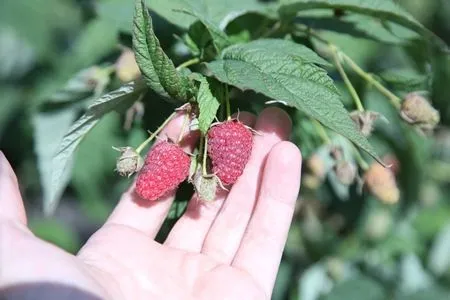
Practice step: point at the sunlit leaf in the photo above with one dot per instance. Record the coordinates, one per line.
(61, 164)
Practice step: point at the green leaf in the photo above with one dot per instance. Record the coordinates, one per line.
(219, 12)
(10, 103)
(91, 187)
(314, 281)
(282, 47)
(61, 164)
(17, 57)
(356, 289)
(158, 70)
(404, 79)
(215, 35)
(97, 39)
(208, 105)
(37, 21)
(49, 129)
(413, 276)
(289, 77)
(81, 86)
(359, 26)
(439, 255)
(381, 9)
(118, 13)
(432, 293)
(57, 232)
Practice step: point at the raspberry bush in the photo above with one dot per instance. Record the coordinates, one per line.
(365, 83)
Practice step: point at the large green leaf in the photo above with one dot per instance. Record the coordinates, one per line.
(435, 292)
(357, 288)
(439, 255)
(208, 105)
(288, 76)
(382, 9)
(57, 232)
(37, 21)
(98, 39)
(219, 12)
(49, 129)
(358, 26)
(158, 70)
(61, 164)
(17, 57)
(216, 36)
(10, 102)
(118, 13)
(405, 79)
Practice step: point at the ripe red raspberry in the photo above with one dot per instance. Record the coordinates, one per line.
(165, 167)
(229, 147)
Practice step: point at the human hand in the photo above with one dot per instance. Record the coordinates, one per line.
(228, 249)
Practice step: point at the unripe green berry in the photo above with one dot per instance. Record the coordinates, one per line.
(129, 161)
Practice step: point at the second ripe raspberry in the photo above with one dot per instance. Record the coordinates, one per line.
(229, 147)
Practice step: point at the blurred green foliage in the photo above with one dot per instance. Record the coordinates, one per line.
(343, 244)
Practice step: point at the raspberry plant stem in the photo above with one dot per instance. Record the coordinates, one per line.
(227, 103)
(396, 101)
(154, 134)
(360, 160)
(324, 136)
(337, 61)
(188, 63)
(321, 131)
(205, 151)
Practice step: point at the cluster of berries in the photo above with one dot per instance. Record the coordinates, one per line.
(166, 165)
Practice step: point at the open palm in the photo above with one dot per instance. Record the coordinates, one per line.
(227, 249)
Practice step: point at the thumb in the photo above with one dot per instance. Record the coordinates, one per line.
(11, 203)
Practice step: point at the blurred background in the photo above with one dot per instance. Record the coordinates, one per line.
(57, 56)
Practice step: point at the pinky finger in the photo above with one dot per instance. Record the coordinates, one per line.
(11, 203)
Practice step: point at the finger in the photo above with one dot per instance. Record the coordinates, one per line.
(143, 215)
(262, 246)
(190, 230)
(11, 203)
(224, 237)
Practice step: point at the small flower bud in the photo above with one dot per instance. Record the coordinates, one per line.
(129, 161)
(378, 225)
(417, 110)
(381, 183)
(317, 166)
(345, 172)
(126, 66)
(364, 121)
(311, 182)
(335, 267)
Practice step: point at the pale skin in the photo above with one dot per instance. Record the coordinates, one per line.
(228, 249)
